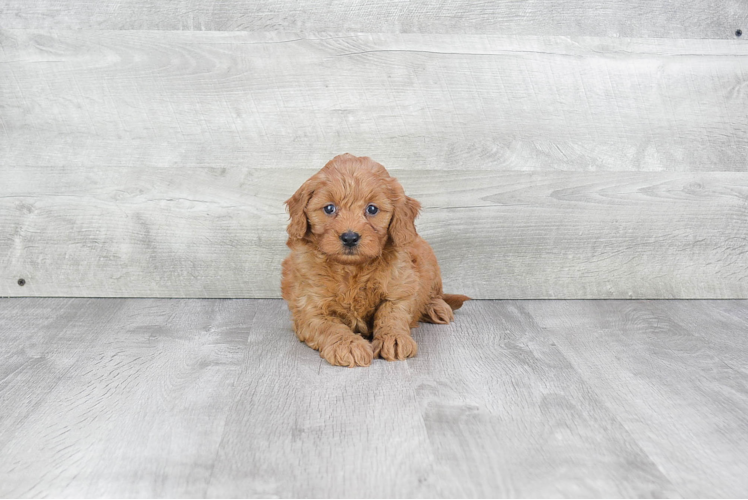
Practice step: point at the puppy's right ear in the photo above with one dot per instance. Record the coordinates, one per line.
(296, 204)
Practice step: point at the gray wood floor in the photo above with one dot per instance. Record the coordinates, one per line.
(216, 398)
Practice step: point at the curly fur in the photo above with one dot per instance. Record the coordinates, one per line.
(341, 297)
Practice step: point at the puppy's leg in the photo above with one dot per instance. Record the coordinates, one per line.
(392, 340)
(334, 341)
(438, 311)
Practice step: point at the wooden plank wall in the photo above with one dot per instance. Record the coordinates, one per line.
(604, 18)
(560, 150)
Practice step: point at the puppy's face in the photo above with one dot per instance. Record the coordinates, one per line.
(349, 216)
(351, 210)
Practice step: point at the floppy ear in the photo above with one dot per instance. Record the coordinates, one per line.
(296, 204)
(402, 226)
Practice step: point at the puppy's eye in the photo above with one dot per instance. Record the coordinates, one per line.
(329, 209)
(372, 210)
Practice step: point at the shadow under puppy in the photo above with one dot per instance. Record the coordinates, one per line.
(358, 266)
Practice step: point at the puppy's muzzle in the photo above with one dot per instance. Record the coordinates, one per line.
(350, 239)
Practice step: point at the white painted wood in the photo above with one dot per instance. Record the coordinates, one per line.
(139, 414)
(270, 100)
(215, 232)
(477, 126)
(217, 398)
(631, 18)
(669, 385)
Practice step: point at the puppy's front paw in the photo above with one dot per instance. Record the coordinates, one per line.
(394, 346)
(351, 350)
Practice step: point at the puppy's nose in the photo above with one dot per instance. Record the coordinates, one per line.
(350, 239)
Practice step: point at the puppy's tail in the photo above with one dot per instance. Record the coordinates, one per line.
(455, 301)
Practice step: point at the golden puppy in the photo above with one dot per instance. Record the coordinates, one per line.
(357, 265)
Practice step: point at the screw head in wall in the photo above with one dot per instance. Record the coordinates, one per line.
(738, 32)
(21, 281)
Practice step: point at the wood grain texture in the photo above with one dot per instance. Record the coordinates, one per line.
(634, 18)
(217, 398)
(509, 417)
(300, 427)
(139, 414)
(671, 387)
(40, 343)
(215, 232)
(720, 324)
(270, 100)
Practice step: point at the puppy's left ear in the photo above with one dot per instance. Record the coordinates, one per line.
(296, 205)
(402, 226)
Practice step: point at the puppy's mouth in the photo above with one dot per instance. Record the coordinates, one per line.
(349, 256)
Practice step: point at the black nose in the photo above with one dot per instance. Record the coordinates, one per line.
(350, 239)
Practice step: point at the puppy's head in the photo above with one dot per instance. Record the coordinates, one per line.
(351, 210)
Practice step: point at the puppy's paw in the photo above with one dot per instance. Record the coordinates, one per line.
(394, 347)
(438, 312)
(351, 350)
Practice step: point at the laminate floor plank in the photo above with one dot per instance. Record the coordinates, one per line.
(722, 324)
(40, 341)
(217, 398)
(302, 428)
(141, 411)
(509, 416)
(670, 388)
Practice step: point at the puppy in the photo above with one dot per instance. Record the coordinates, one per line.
(358, 269)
